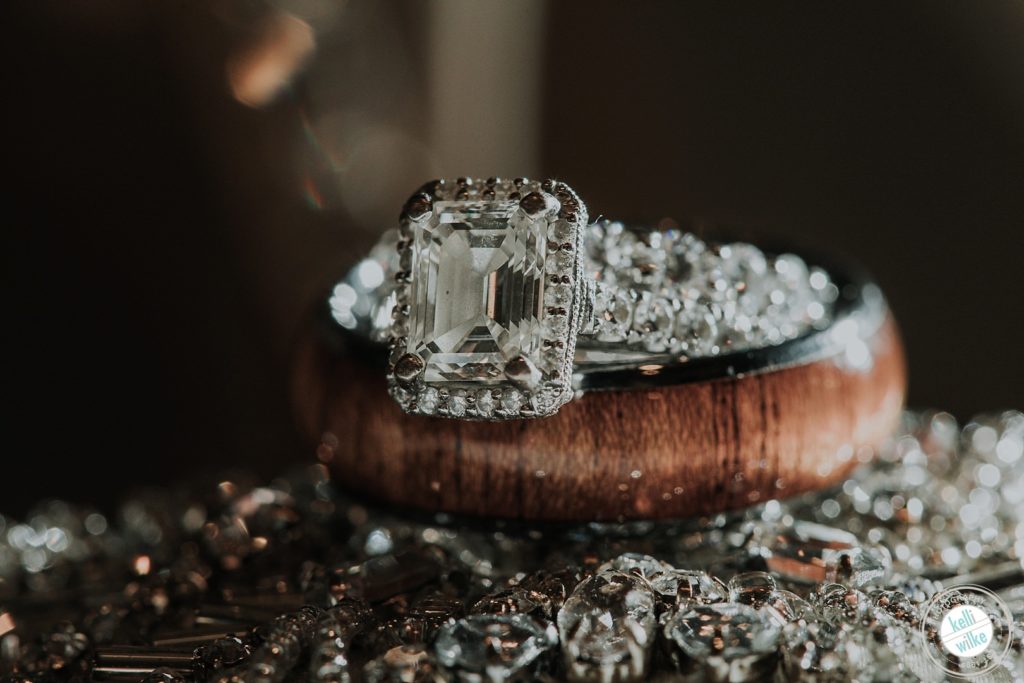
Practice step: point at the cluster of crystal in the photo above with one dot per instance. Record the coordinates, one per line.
(239, 582)
(485, 297)
(668, 291)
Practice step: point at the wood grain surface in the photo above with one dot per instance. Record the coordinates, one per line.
(676, 451)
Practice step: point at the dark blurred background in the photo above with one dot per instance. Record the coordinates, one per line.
(188, 176)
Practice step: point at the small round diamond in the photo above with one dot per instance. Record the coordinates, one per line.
(614, 310)
(511, 400)
(558, 295)
(456, 405)
(560, 262)
(561, 231)
(697, 330)
(429, 399)
(556, 325)
(653, 320)
(485, 403)
(552, 357)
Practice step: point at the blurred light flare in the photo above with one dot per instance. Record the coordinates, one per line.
(281, 48)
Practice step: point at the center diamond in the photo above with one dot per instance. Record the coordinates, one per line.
(477, 289)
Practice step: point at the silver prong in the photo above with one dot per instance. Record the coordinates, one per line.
(408, 368)
(536, 204)
(523, 372)
(418, 207)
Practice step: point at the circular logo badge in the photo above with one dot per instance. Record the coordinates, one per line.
(967, 630)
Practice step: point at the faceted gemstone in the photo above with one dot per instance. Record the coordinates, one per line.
(614, 311)
(660, 575)
(698, 586)
(477, 289)
(607, 628)
(809, 552)
(751, 588)
(494, 647)
(653, 319)
(723, 641)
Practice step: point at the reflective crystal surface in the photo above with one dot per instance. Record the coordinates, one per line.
(477, 290)
(295, 581)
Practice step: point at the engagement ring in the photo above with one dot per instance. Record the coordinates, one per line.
(497, 299)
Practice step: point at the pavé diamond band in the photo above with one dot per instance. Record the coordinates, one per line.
(497, 300)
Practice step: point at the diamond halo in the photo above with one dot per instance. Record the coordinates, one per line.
(486, 303)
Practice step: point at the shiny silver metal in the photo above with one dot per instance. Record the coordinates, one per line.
(496, 300)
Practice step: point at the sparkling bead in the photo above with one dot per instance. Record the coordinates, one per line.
(494, 647)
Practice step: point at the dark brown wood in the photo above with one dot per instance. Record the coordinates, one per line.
(674, 451)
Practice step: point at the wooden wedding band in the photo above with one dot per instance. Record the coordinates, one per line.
(680, 450)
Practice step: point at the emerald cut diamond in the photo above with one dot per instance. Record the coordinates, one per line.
(475, 315)
(477, 289)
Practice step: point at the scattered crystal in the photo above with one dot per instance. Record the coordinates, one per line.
(724, 642)
(752, 588)
(243, 559)
(607, 628)
(494, 647)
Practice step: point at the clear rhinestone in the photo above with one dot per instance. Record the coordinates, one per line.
(697, 330)
(561, 231)
(699, 586)
(607, 626)
(751, 588)
(560, 262)
(660, 575)
(728, 641)
(494, 647)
